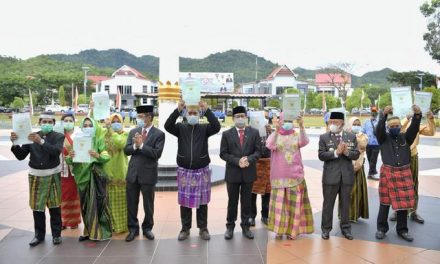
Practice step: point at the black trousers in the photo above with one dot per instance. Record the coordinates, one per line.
(372, 154)
(330, 192)
(40, 223)
(382, 220)
(265, 198)
(133, 192)
(244, 192)
(186, 217)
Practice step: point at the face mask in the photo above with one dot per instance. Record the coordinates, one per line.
(140, 122)
(192, 119)
(395, 131)
(334, 128)
(240, 122)
(69, 126)
(46, 128)
(88, 131)
(287, 126)
(374, 115)
(356, 129)
(116, 127)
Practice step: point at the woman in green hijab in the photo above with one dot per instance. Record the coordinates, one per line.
(92, 186)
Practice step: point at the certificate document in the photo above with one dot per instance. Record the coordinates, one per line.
(291, 106)
(423, 100)
(402, 101)
(81, 147)
(257, 121)
(101, 106)
(190, 90)
(21, 125)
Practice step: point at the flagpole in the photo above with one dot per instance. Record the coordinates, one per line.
(31, 105)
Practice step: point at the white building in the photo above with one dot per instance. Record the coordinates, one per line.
(327, 82)
(133, 86)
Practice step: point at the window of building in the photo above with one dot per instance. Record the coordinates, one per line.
(127, 89)
(120, 88)
(154, 89)
(145, 88)
(107, 88)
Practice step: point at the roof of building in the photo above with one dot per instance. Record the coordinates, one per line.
(95, 79)
(127, 70)
(282, 70)
(332, 78)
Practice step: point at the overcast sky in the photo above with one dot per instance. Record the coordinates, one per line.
(370, 34)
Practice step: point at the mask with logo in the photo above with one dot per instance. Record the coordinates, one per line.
(240, 122)
(69, 126)
(192, 119)
(117, 126)
(334, 128)
(395, 131)
(46, 128)
(287, 126)
(356, 129)
(140, 122)
(88, 131)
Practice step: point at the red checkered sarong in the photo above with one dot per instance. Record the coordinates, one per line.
(396, 187)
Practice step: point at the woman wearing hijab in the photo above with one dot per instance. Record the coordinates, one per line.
(359, 193)
(92, 186)
(70, 205)
(290, 212)
(116, 168)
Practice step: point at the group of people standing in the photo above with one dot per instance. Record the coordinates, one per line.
(106, 191)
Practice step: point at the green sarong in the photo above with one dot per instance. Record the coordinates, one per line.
(44, 191)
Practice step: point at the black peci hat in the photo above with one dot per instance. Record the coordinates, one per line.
(144, 109)
(337, 115)
(238, 110)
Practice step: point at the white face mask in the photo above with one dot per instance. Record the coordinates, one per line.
(192, 119)
(334, 128)
(240, 122)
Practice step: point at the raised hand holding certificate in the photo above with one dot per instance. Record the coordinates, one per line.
(291, 106)
(402, 101)
(21, 125)
(81, 147)
(190, 90)
(257, 121)
(423, 100)
(101, 106)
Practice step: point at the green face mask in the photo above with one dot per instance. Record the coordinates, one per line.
(69, 126)
(46, 128)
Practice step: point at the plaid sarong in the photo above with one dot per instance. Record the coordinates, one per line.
(194, 187)
(396, 187)
(118, 205)
(290, 212)
(44, 191)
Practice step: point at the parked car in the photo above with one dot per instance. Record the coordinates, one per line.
(55, 108)
(364, 111)
(82, 108)
(315, 111)
(355, 111)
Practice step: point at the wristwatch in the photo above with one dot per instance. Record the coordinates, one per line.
(42, 141)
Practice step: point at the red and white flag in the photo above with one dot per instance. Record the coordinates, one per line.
(118, 99)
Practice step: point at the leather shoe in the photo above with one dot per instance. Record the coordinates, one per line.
(183, 235)
(204, 234)
(348, 235)
(264, 220)
(406, 237)
(229, 234)
(248, 233)
(417, 218)
(325, 235)
(393, 217)
(131, 236)
(371, 177)
(57, 240)
(149, 235)
(35, 241)
(380, 235)
(83, 238)
(252, 221)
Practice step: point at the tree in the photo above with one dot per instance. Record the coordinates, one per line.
(355, 100)
(274, 102)
(331, 101)
(431, 10)
(82, 99)
(373, 91)
(18, 103)
(254, 103)
(234, 104)
(385, 100)
(62, 96)
(411, 79)
(435, 103)
(339, 77)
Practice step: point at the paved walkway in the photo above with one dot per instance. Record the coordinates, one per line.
(16, 226)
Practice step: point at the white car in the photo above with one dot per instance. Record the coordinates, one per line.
(55, 108)
(83, 108)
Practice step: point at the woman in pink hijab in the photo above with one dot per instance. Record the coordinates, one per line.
(290, 212)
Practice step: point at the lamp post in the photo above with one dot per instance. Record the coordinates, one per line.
(420, 77)
(85, 69)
